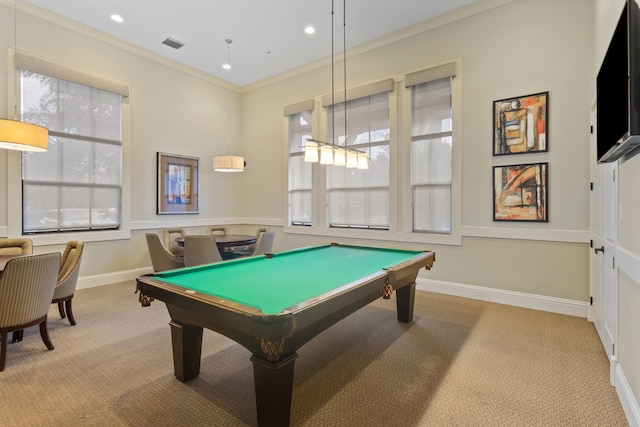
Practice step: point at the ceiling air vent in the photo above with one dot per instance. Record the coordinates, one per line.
(173, 43)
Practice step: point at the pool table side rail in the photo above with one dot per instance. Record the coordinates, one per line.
(158, 289)
(394, 273)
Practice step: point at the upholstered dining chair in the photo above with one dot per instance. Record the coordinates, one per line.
(169, 237)
(264, 244)
(26, 289)
(68, 279)
(247, 250)
(200, 249)
(216, 229)
(161, 258)
(17, 246)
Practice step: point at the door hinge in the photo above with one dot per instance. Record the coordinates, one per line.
(591, 186)
(590, 300)
(591, 129)
(613, 348)
(591, 243)
(614, 176)
(613, 262)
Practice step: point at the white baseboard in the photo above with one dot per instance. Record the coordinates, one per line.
(518, 299)
(627, 398)
(107, 279)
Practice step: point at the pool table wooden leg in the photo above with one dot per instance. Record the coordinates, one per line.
(187, 347)
(405, 297)
(274, 388)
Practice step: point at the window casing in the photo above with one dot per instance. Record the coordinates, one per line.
(79, 188)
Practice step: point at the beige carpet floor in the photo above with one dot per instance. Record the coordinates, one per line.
(460, 363)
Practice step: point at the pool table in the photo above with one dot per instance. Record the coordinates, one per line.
(273, 304)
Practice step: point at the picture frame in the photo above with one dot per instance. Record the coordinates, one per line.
(178, 184)
(520, 192)
(520, 124)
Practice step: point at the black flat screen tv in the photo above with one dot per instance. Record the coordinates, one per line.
(618, 89)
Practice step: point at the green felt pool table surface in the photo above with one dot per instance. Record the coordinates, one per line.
(274, 283)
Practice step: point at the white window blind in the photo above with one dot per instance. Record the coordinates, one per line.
(360, 198)
(77, 183)
(431, 156)
(300, 184)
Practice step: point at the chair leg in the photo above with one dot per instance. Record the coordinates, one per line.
(44, 333)
(67, 305)
(61, 310)
(3, 350)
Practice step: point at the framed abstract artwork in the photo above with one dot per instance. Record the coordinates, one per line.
(520, 124)
(178, 185)
(520, 192)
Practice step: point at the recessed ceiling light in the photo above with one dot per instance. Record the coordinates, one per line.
(226, 66)
(117, 18)
(309, 29)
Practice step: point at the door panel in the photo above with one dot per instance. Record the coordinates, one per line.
(604, 231)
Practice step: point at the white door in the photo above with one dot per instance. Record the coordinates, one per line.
(603, 275)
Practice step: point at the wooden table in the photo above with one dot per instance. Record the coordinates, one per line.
(5, 258)
(225, 241)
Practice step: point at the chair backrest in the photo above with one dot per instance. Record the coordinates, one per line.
(26, 288)
(261, 230)
(216, 229)
(200, 249)
(161, 258)
(69, 269)
(169, 237)
(264, 243)
(18, 246)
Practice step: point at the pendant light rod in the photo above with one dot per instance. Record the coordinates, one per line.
(228, 67)
(229, 162)
(333, 82)
(330, 152)
(344, 63)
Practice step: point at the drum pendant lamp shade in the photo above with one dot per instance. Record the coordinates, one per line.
(228, 163)
(16, 135)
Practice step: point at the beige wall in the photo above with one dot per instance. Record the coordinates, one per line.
(504, 52)
(173, 110)
(516, 48)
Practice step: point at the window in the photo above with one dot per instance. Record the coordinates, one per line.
(431, 150)
(360, 198)
(299, 186)
(412, 189)
(77, 184)
(431, 155)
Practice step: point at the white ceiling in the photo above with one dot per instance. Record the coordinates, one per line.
(268, 35)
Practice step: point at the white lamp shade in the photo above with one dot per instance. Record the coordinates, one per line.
(326, 155)
(339, 157)
(311, 152)
(352, 159)
(228, 163)
(363, 161)
(15, 135)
